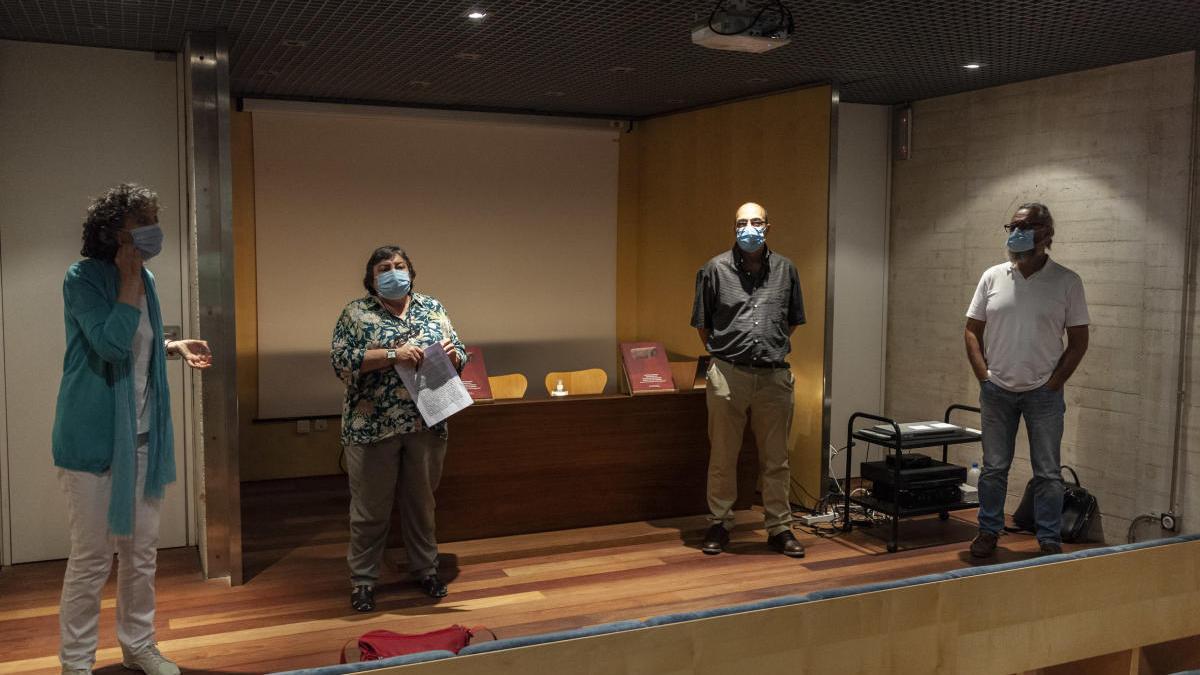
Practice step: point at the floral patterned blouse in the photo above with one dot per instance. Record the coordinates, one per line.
(377, 405)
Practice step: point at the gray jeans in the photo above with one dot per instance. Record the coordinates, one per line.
(414, 461)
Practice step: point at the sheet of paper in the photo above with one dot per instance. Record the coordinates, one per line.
(919, 427)
(943, 425)
(435, 385)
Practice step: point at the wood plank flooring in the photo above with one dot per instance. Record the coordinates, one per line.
(293, 612)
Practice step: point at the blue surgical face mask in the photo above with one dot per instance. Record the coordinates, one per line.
(393, 284)
(751, 238)
(148, 239)
(1020, 241)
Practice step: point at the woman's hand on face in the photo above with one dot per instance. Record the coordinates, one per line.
(195, 353)
(409, 354)
(451, 352)
(129, 265)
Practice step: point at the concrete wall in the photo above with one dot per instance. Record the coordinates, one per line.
(1108, 151)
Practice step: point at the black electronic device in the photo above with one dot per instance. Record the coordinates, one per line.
(881, 472)
(939, 493)
(911, 460)
(931, 485)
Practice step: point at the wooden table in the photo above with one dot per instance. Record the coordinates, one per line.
(515, 467)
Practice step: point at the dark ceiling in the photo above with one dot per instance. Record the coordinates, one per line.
(618, 58)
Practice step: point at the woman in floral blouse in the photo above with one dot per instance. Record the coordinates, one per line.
(386, 440)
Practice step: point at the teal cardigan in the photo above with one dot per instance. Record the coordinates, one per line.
(95, 422)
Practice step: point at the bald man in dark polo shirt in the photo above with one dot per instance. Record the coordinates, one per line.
(747, 304)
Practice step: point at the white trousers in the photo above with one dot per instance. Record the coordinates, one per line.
(91, 560)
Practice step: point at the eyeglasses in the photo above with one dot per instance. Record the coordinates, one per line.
(1023, 225)
(757, 222)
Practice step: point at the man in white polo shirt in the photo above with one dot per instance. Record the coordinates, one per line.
(1014, 334)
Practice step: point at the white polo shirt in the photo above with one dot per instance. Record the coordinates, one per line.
(1026, 320)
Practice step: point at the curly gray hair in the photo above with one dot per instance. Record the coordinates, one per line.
(106, 217)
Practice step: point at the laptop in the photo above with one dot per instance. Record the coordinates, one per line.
(917, 430)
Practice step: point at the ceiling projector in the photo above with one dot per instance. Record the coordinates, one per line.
(742, 26)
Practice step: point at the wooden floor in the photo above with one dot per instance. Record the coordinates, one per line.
(293, 611)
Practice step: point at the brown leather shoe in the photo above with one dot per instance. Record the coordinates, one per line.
(715, 539)
(786, 543)
(984, 545)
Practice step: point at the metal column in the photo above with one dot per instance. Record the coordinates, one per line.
(210, 202)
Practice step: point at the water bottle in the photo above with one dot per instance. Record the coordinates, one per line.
(973, 475)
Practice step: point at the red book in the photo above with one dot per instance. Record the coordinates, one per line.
(646, 367)
(474, 375)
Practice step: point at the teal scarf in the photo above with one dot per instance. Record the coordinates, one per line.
(160, 464)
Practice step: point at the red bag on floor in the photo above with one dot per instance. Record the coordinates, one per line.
(382, 644)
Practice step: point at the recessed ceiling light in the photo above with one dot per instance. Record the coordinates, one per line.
(972, 66)
(292, 42)
(468, 56)
(476, 15)
(556, 93)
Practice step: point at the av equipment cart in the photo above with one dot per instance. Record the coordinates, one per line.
(899, 445)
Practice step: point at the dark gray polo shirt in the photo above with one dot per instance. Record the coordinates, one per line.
(748, 318)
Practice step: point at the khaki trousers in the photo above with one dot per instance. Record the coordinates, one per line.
(766, 396)
(414, 461)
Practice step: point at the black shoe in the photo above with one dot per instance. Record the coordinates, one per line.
(715, 539)
(1049, 547)
(786, 543)
(984, 545)
(362, 599)
(433, 586)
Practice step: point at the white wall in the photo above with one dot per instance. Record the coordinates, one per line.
(510, 223)
(1108, 151)
(73, 121)
(860, 270)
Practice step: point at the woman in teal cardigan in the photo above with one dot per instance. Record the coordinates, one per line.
(112, 428)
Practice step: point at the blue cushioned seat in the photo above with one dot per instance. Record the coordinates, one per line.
(527, 640)
(677, 617)
(419, 657)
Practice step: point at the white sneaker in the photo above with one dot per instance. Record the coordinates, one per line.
(150, 661)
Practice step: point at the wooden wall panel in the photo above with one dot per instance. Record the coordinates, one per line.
(692, 171)
(628, 207)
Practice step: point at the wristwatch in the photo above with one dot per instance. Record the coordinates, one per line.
(391, 355)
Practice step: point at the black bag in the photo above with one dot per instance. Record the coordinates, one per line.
(1079, 507)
